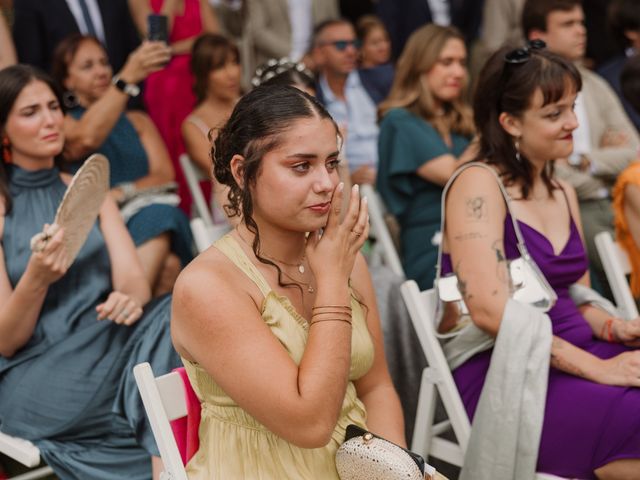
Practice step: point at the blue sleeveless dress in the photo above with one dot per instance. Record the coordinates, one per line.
(71, 389)
(128, 161)
(586, 425)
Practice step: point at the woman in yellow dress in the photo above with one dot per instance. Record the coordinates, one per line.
(277, 323)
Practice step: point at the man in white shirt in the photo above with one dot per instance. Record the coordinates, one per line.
(351, 104)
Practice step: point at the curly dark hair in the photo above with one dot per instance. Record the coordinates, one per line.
(254, 128)
(507, 87)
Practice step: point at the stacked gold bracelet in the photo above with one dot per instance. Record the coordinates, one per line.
(331, 313)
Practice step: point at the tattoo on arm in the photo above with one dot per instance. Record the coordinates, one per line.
(563, 364)
(462, 284)
(469, 236)
(476, 209)
(502, 270)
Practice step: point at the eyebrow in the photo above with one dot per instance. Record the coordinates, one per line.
(311, 155)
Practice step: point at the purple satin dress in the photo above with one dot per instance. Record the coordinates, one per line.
(586, 425)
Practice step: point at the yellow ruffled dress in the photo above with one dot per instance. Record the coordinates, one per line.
(234, 445)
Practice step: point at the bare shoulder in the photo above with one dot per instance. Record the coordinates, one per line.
(360, 276)
(210, 279)
(211, 297)
(140, 120)
(570, 192)
(475, 181)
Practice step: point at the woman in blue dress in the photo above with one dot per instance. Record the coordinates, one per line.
(69, 334)
(137, 154)
(424, 134)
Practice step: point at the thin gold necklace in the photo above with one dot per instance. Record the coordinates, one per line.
(299, 266)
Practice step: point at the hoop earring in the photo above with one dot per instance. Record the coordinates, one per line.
(516, 145)
(6, 150)
(69, 99)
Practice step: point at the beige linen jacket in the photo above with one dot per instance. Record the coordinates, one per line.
(605, 113)
(267, 29)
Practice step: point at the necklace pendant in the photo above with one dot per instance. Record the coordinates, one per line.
(310, 289)
(301, 268)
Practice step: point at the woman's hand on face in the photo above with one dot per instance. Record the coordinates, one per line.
(627, 332)
(622, 370)
(149, 57)
(49, 260)
(332, 254)
(120, 308)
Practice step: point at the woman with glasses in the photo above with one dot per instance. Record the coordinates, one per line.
(524, 115)
(425, 132)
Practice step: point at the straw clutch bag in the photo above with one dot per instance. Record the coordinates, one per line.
(364, 456)
(80, 205)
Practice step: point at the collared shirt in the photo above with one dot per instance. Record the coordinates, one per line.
(440, 13)
(358, 113)
(301, 26)
(94, 13)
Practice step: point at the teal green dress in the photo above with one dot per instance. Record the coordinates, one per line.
(406, 142)
(70, 388)
(128, 162)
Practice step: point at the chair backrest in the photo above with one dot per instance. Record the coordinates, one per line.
(204, 235)
(436, 380)
(194, 176)
(164, 400)
(380, 231)
(20, 450)
(616, 267)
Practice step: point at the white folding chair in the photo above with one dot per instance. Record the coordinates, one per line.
(616, 267)
(194, 176)
(384, 246)
(164, 400)
(26, 453)
(204, 235)
(437, 380)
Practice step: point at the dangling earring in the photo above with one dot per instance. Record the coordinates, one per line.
(516, 144)
(6, 150)
(69, 99)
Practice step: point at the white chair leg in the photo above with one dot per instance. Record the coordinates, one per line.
(34, 474)
(421, 441)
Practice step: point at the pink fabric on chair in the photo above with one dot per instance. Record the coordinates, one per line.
(185, 429)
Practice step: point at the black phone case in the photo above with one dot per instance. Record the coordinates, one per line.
(356, 431)
(157, 27)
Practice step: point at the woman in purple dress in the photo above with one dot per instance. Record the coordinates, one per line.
(525, 119)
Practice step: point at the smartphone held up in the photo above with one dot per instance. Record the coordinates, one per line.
(157, 28)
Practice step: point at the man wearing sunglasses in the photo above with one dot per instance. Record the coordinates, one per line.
(605, 142)
(351, 96)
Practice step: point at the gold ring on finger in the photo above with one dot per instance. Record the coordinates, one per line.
(125, 314)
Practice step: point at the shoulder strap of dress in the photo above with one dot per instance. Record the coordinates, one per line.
(233, 251)
(521, 246)
(200, 124)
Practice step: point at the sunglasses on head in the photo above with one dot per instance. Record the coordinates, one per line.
(521, 55)
(342, 45)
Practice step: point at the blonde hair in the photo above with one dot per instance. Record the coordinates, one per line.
(420, 54)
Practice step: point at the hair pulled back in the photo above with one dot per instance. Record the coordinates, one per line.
(13, 80)
(509, 88)
(255, 127)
